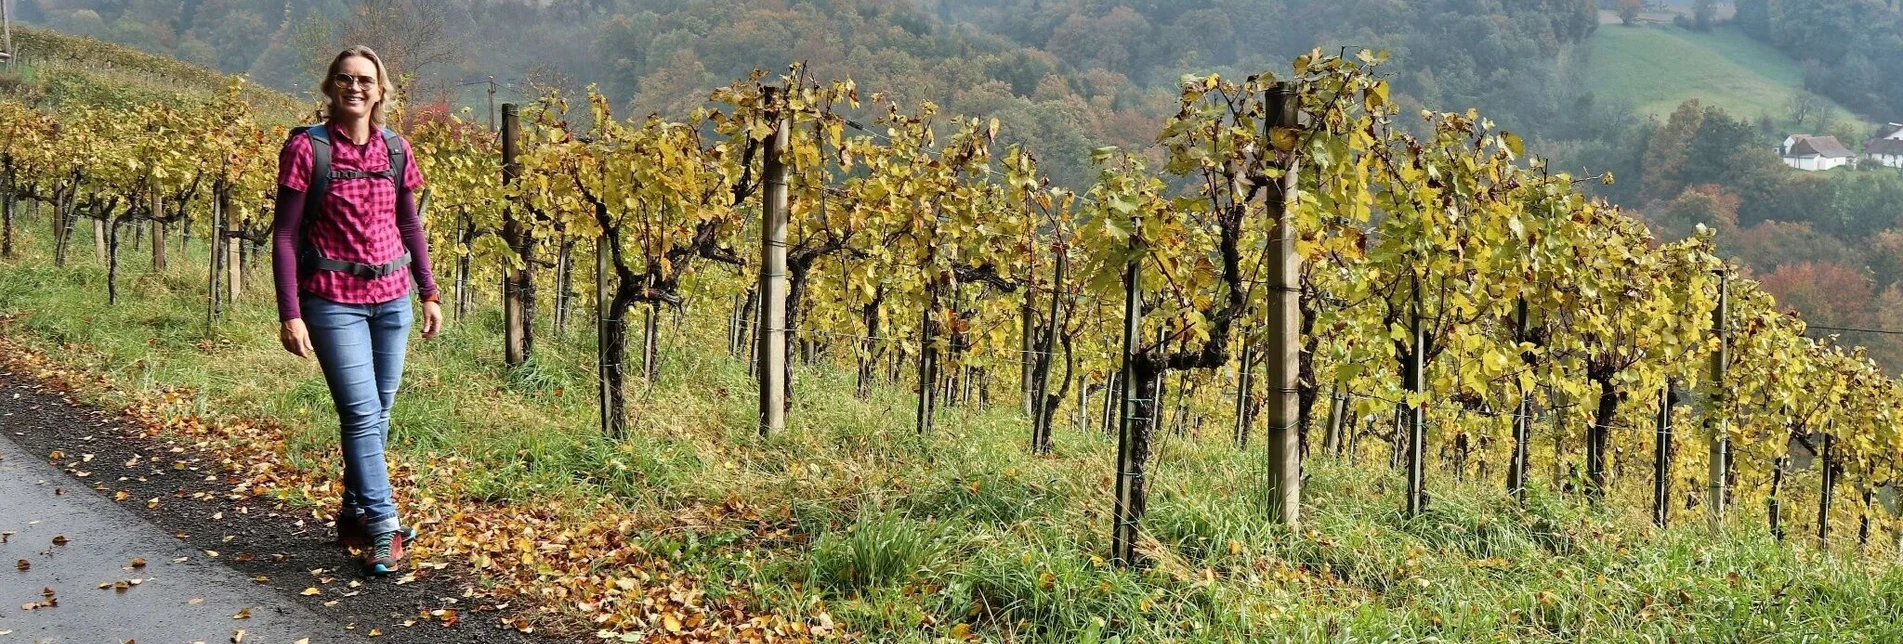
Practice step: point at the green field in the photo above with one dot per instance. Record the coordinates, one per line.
(1654, 68)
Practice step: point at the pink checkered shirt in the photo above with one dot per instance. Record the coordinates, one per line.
(358, 220)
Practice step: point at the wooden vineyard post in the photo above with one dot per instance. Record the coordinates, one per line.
(1026, 362)
(6, 217)
(651, 343)
(1123, 533)
(1863, 520)
(233, 245)
(212, 276)
(610, 420)
(464, 256)
(1245, 385)
(1773, 506)
(6, 36)
(772, 351)
(927, 373)
(1337, 420)
(516, 284)
(1522, 416)
(1046, 407)
(734, 317)
(158, 233)
(564, 268)
(1662, 460)
(1285, 318)
(1416, 411)
(1714, 406)
(1829, 487)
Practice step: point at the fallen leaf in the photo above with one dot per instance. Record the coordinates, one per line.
(138, 562)
(243, 614)
(375, 632)
(311, 591)
(59, 540)
(237, 637)
(196, 601)
(23, 565)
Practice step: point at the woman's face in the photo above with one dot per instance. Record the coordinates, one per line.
(356, 99)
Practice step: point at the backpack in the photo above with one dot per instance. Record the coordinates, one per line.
(308, 257)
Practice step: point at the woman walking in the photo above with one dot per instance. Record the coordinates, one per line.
(347, 241)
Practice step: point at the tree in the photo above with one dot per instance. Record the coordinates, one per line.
(1824, 292)
(1705, 205)
(1703, 13)
(1713, 146)
(1629, 11)
(1668, 152)
(1804, 105)
(1754, 17)
(410, 35)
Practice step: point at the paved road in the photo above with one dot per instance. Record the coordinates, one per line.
(183, 597)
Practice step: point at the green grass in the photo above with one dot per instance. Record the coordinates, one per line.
(1657, 67)
(912, 538)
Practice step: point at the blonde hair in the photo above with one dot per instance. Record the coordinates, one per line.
(384, 84)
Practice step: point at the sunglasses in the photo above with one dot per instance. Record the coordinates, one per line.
(346, 81)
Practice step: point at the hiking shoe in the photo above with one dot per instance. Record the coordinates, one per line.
(353, 531)
(385, 555)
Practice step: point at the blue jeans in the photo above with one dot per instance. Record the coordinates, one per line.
(360, 348)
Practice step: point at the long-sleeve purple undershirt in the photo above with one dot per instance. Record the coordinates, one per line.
(289, 221)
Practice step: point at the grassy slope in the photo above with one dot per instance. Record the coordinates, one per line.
(65, 70)
(1657, 67)
(905, 537)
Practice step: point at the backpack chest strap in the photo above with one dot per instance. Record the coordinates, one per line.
(336, 175)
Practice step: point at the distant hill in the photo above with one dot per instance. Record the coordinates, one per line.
(1656, 67)
(61, 69)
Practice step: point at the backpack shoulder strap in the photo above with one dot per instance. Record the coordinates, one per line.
(399, 159)
(320, 166)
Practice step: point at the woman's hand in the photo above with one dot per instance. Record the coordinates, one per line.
(295, 338)
(432, 319)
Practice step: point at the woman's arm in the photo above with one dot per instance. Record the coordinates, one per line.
(409, 223)
(285, 228)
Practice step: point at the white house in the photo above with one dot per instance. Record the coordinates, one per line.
(1806, 152)
(1886, 149)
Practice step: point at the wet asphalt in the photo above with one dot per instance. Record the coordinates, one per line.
(180, 596)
